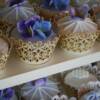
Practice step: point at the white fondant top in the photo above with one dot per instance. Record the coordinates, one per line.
(77, 25)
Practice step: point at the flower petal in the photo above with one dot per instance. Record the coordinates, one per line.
(21, 26)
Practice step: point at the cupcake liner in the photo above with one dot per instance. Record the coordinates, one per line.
(4, 56)
(77, 42)
(35, 52)
(5, 28)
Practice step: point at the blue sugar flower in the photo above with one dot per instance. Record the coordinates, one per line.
(57, 4)
(6, 94)
(35, 27)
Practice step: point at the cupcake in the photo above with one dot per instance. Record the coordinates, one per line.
(75, 79)
(89, 91)
(42, 89)
(5, 48)
(95, 12)
(36, 42)
(53, 9)
(19, 9)
(8, 94)
(78, 32)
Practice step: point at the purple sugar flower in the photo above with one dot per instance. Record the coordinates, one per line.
(40, 82)
(34, 27)
(6, 94)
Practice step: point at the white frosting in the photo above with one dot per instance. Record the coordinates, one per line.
(3, 46)
(77, 78)
(78, 25)
(39, 92)
(79, 74)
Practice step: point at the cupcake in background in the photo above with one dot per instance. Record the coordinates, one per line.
(53, 9)
(36, 40)
(90, 91)
(95, 12)
(8, 94)
(19, 9)
(42, 89)
(75, 79)
(79, 32)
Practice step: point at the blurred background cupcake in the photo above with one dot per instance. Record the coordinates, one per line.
(95, 12)
(53, 9)
(8, 94)
(78, 31)
(5, 48)
(90, 92)
(36, 40)
(72, 81)
(19, 9)
(42, 89)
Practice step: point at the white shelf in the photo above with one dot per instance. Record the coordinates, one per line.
(18, 73)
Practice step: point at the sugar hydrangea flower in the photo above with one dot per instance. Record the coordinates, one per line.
(35, 28)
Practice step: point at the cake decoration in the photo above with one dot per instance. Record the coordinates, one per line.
(19, 9)
(42, 89)
(60, 97)
(7, 94)
(93, 95)
(57, 4)
(35, 28)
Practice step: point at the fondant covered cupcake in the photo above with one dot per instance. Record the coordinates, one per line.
(36, 40)
(76, 79)
(42, 89)
(8, 94)
(78, 32)
(5, 48)
(16, 10)
(53, 9)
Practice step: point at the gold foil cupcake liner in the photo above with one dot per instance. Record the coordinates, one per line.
(5, 28)
(35, 52)
(4, 56)
(77, 42)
